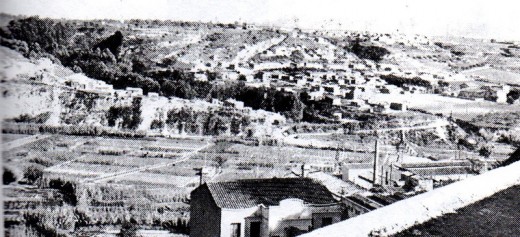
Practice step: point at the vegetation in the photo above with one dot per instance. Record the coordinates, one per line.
(26, 118)
(180, 226)
(33, 173)
(8, 176)
(129, 228)
(66, 188)
(371, 52)
(402, 81)
(130, 116)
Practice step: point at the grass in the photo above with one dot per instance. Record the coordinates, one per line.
(494, 216)
(11, 137)
(122, 160)
(497, 76)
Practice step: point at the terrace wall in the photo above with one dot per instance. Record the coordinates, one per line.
(421, 208)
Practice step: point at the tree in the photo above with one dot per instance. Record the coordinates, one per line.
(33, 173)
(297, 56)
(129, 228)
(220, 161)
(374, 53)
(148, 85)
(67, 189)
(82, 218)
(8, 176)
(485, 151)
(241, 77)
(41, 34)
(235, 125)
(111, 43)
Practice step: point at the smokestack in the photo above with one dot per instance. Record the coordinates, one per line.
(376, 175)
(200, 173)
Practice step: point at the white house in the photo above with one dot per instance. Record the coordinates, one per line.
(262, 207)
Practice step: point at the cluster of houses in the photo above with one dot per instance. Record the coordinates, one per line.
(496, 93)
(404, 171)
(352, 90)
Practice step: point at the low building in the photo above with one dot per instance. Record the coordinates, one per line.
(398, 106)
(332, 100)
(359, 204)
(501, 94)
(380, 108)
(262, 207)
(355, 172)
(134, 91)
(234, 104)
(153, 96)
(440, 171)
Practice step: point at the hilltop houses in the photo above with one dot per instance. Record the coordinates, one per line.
(262, 207)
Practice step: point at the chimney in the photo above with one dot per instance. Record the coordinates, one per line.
(376, 175)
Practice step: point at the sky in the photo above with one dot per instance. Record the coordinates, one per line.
(498, 19)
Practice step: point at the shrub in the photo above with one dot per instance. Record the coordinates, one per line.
(33, 173)
(8, 176)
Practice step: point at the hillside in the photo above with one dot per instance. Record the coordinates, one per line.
(43, 92)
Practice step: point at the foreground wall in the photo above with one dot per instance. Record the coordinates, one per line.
(401, 215)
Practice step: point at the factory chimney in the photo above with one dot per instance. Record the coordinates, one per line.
(376, 175)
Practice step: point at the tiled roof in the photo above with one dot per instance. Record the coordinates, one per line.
(442, 171)
(252, 192)
(466, 163)
(364, 202)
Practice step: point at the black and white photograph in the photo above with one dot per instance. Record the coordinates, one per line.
(260, 118)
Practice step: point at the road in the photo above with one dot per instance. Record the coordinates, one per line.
(23, 141)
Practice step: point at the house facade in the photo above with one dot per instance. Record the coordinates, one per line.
(262, 207)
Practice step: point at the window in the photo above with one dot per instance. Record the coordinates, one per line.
(235, 230)
(326, 221)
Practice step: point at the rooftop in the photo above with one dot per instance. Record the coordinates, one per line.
(252, 192)
(433, 171)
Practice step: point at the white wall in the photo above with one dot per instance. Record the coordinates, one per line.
(230, 216)
(287, 207)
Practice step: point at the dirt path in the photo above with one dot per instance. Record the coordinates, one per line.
(23, 141)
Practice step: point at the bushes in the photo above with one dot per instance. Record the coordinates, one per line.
(514, 94)
(180, 226)
(8, 176)
(67, 189)
(26, 118)
(206, 122)
(157, 124)
(374, 53)
(401, 81)
(33, 173)
(130, 115)
(129, 228)
(51, 221)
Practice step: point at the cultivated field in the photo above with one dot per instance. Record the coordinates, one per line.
(496, 76)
